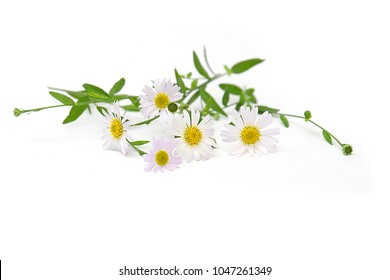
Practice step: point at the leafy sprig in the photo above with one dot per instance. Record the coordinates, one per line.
(193, 89)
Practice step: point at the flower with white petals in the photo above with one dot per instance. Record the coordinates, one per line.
(161, 98)
(248, 134)
(195, 136)
(161, 156)
(115, 130)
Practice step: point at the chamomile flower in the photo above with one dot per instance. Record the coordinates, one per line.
(115, 128)
(160, 99)
(195, 136)
(248, 134)
(161, 156)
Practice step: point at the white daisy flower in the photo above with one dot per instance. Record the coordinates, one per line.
(161, 156)
(248, 133)
(195, 136)
(115, 128)
(156, 100)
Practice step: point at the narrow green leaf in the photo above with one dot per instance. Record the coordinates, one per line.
(199, 66)
(140, 152)
(270, 110)
(131, 108)
(77, 94)
(75, 113)
(245, 65)
(179, 82)
(241, 101)
(284, 120)
(307, 115)
(193, 97)
(139, 143)
(213, 104)
(96, 92)
(206, 109)
(117, 87)
(194, 84)
(250, 91)
(252, 99)
(134, 99)
(327, 136)
(231, 88)
(62, 98)
(228, 70)
(225, 98)
(188, 76)
(102, 109)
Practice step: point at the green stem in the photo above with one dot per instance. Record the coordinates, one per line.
(316, 124)
(185, 95)
(18, 112)
(146, 121)
(140, 152)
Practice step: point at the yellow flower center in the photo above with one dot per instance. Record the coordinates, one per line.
(161, 100)
(250, 135)
(192, 135)
(162, 158)
(116, 128)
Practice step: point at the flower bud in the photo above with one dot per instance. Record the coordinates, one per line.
(172, 107)
(17, 112)
(347, 149)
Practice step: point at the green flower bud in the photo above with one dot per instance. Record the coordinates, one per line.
(347, 149)
(172, 107)
(17, 112)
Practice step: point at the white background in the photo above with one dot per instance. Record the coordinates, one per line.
(71, 210)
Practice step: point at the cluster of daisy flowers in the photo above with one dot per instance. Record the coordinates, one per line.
(191, 136)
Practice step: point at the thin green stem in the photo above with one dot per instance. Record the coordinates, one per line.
(146, 121)
(21, 111)
(140, 152)
(316, 124)
(185, 95)
(207, 61)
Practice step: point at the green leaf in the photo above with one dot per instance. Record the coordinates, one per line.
(207, 107)
(188, 76)
(134, 99)
(252, 99)
(228, 70)
(139, 143)
(179, 82)
(245, 65)
(131, 108)
(140, 152)
(96, 92)
(231, 88)
(250, 91)
(77, 94)
(75, 112)
(240, 102)
(207, 98)
(284, 120)
(102, 109)
(199, 66)
(225, 98)
(193, 97)
(307, 115)
(62, 98)
(327, 136)
(194, 84)
(270, 110)
(117, 87)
